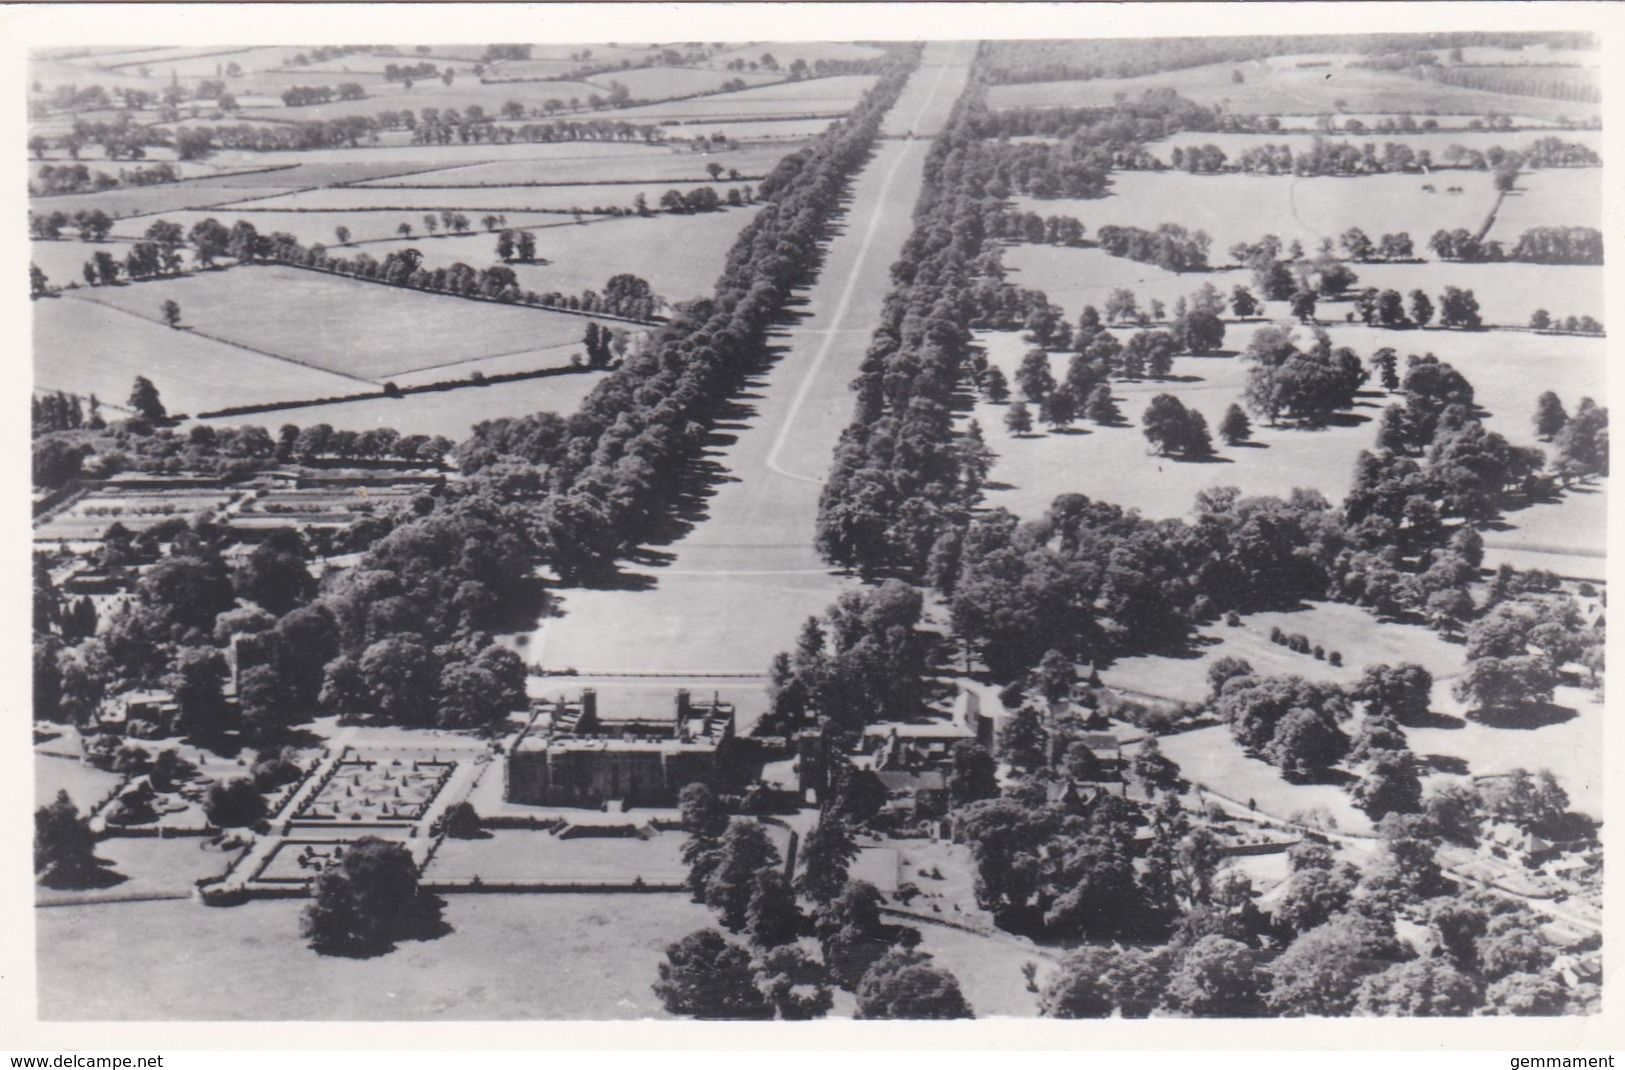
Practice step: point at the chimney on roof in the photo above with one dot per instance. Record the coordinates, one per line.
(589, 711)
(683, 706)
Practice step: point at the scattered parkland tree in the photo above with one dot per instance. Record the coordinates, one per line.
(1174, 430)
(1550, 416)
(1235, 427)
(1018, 419)
(65, 848)
(172, 314)
(368, 901)
(144, 399)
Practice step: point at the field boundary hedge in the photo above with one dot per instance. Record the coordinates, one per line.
(398, 392)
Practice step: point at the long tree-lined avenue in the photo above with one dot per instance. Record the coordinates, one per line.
(751, 559)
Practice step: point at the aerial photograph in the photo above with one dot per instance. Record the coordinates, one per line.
(1082, 527)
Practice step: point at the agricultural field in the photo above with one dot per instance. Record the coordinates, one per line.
(154, 200)
(465, 91)
(362, 331)
(679, 255)
(409, 158)
(787, 52)
(111, 347)
(452, 413)
(1434, 141)
(312, 228)
(679, 165)
(1550, 198)
(813, 96)
(587, 198)
(663, 83)
(1279, 86)
(1234, 208)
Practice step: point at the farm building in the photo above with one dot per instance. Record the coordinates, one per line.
(573, 757)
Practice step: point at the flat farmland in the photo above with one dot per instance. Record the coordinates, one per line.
(1435, 142)
(777, 131)
(661, 83)
(313, 227)
(464, 91)
(109, 348)
(811, 96)
(663, 165)
(787, 52)
(679, 255)
(362, 330)
(496, 199)
(1555, 197)
(1073, 277)
(326, 172)
(1277, 86)
(1243, 208)
(429, 157)
(153, 200)
(63, 261)
(486, 968)
(452, 413)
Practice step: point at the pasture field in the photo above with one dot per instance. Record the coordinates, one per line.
(313, 227)
(1235, 208)
(1554, 197)
(452, 413)
(1568, 536)
(788, 132)
(1507, 293)
(1435, 142)
(487, 967)
(323, 172)
(679, 255)
(63, 261)
(431, 157)
(464, 91)
(831, 96)
(109, 348)
(199, 62)
(787, 52)
(586, 197)
(672, 165)
(155, 200)
(363, 331)
(662, 83)
(1507, 370)
(1278, 86)
(1353, 631)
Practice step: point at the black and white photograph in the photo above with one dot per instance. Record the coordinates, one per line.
(971, 521)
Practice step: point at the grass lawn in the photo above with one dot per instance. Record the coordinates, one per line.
(362, 330)
(1571, 749)
(86, 347)
(508, 957)
(1351, 630)
(659, 164)
(1211, 758)
(1234, 208)
(152, 867)
(1278, 86)
(85, 784)
(586, 197)
(679, 255)
(515, 854)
